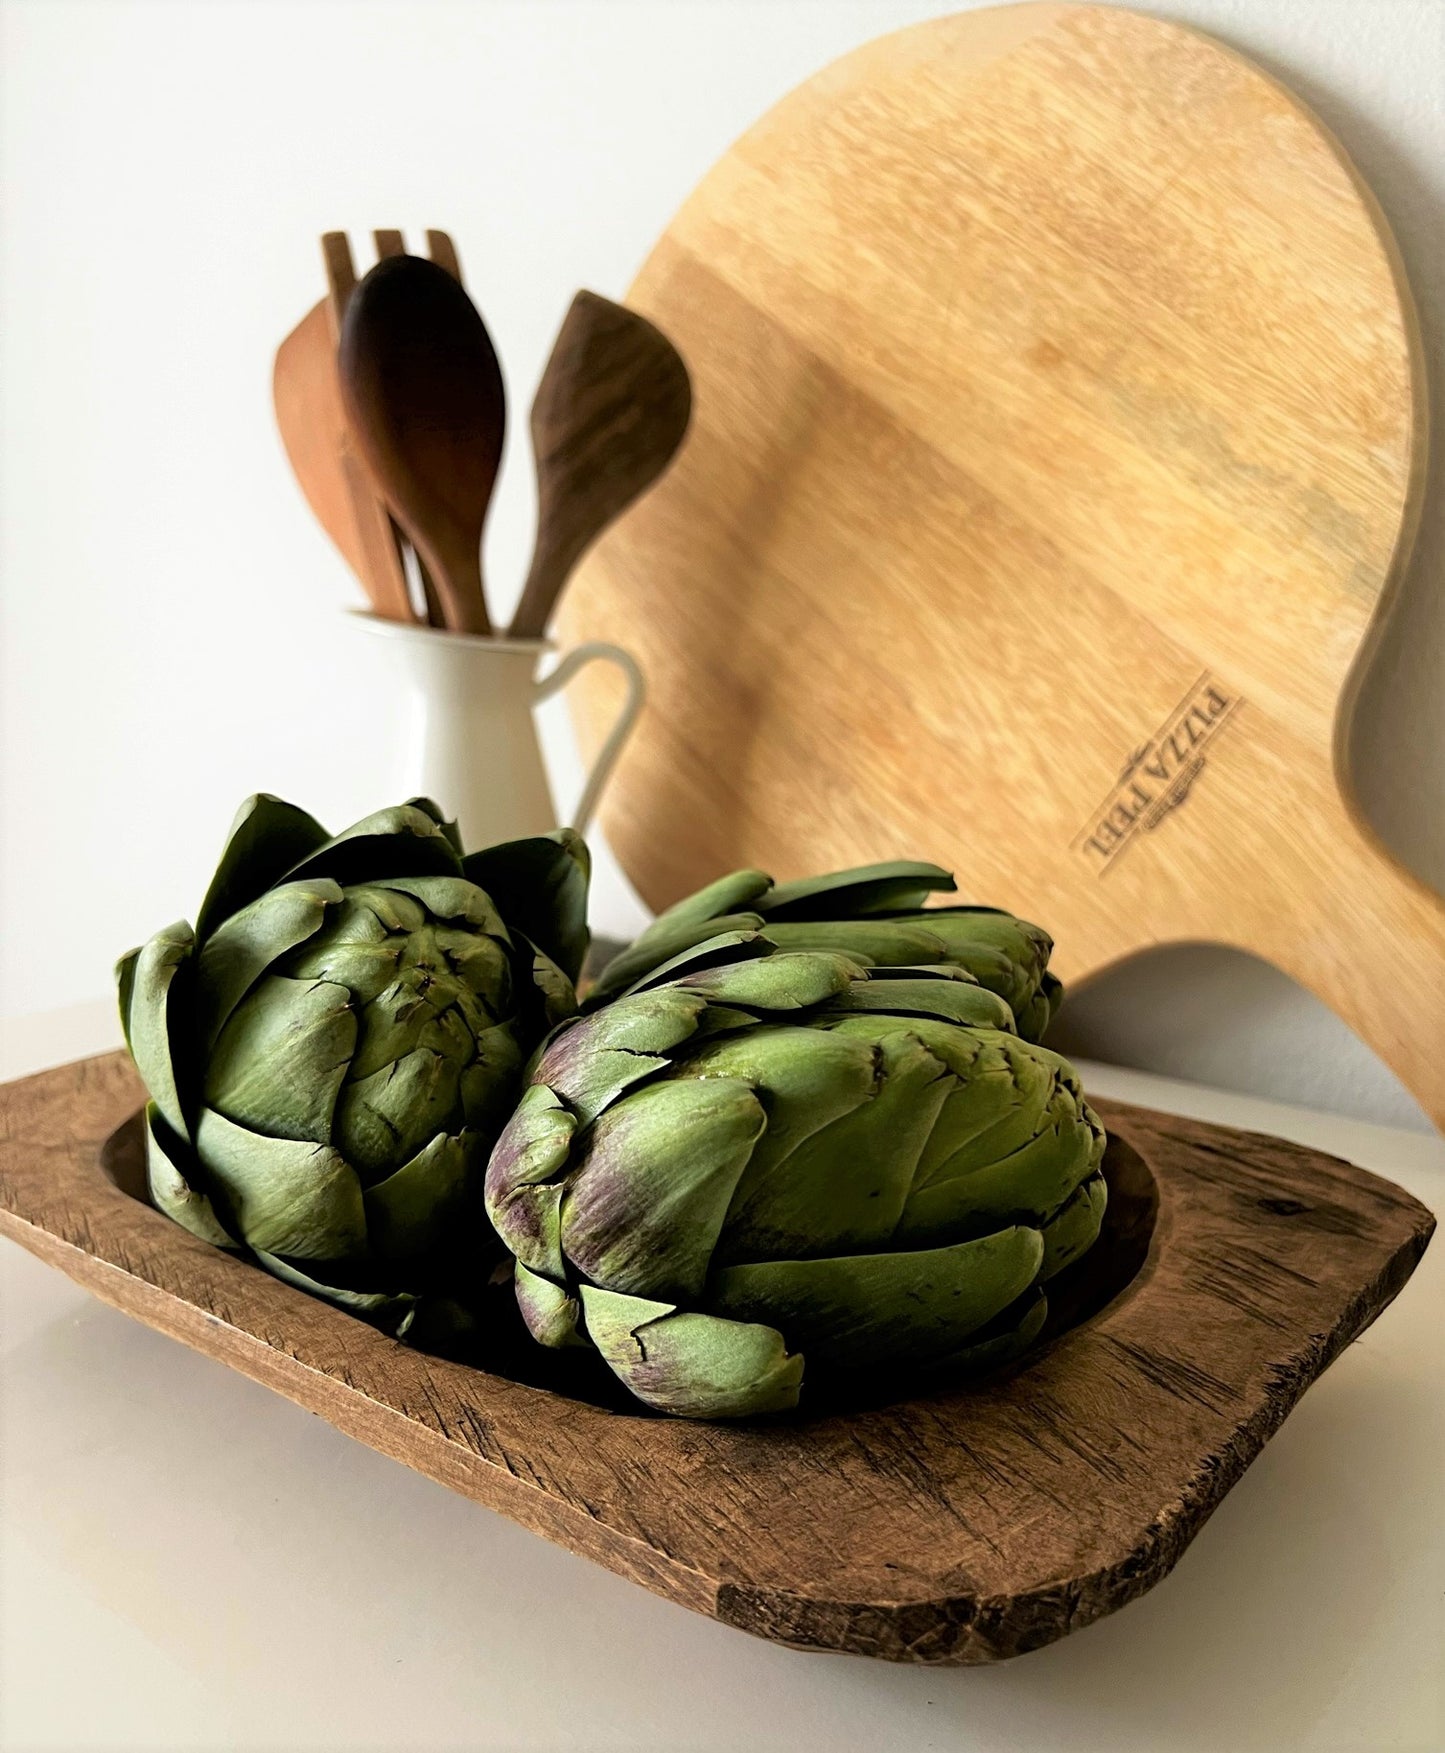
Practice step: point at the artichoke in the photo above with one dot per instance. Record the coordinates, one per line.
(332, 1051)
(757, 1162)
(873, 914)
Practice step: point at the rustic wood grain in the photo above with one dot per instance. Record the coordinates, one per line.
(962, 1526)
(1057, 446)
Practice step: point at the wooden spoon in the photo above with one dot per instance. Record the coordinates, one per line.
(423, 391)
(610, 412)
(317, 438)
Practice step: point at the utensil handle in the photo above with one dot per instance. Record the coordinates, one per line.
(576, 659)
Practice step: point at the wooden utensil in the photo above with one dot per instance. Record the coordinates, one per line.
(610, 412)
(316, 437)
(1058, 448)
(973, 1524)
(422, 389)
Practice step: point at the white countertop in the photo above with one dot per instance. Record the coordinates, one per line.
(189, 1561)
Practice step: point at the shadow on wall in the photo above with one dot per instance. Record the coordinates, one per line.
(1220, 1016)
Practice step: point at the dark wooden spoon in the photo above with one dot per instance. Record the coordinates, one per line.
(423, 392)
(610, 412)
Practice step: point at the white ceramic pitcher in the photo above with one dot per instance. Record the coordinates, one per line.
(474, 746)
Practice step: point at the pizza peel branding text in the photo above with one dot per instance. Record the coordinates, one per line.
(1159, 774)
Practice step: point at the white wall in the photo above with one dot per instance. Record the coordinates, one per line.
(172, 635)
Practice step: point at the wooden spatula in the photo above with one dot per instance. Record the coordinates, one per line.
(610, 412)
(1058, 446)
(314, 431)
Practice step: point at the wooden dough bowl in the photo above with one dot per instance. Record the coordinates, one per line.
(962, 1526)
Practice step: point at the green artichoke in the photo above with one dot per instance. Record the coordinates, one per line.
(331, 1053)
(760, 1161)
(873, 914)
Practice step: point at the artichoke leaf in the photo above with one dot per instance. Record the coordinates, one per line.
(540, 886)
(283, 1195)
(660, 947)
(450, 898)
(692, 1365)
(719, 949)
(386, 1308)
(446, 823)
(170, 1188)
(998, 1348)
(151, 985)
(844, 1186)
(1038, 1177)
(553, 1315)
(245, 945)
(525, 1210)
(396, 842)
(268, 837)
(780, 982)
(278, 1065)
(387, 1117)
(737, 892)
(1074, 1227)
(902, 884)
(948, 1000)
(424, 1204)
(863, 1311)
(885, 942)
(590, 1062)
(643, 1211)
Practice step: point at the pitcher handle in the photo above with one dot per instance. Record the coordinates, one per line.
(576, 659)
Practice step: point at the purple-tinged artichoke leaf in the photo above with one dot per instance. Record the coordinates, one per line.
(521, 1201)
(692, 1365)
(868, 1310)
(170, 1189)
(898, 886)
(553, 1315)
(243, 947)
(154, 984)
(268, 838)
(283, 1195)
(720, 948)
(591, 1061)
(643, 1210)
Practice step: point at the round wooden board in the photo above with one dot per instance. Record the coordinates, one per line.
(1058, 437)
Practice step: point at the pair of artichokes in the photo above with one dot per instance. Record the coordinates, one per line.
(794, 1128)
